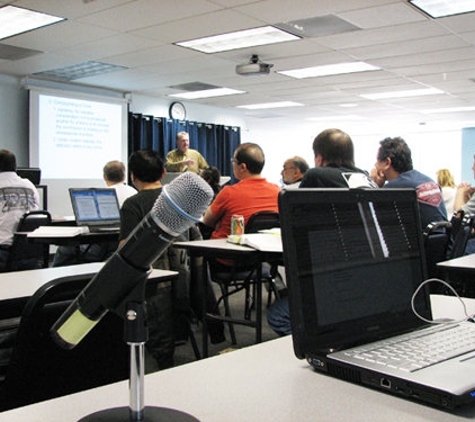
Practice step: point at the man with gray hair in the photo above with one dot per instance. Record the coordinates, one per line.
(293, 171)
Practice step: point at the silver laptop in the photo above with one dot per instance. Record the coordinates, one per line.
(353, 259)
(96, 208)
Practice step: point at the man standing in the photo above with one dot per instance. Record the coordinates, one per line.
(183, 158)
(293, 171)
(17, 196)
(393, 169)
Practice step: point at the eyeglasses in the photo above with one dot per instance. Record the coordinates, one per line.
(233, 160)
(288, 168)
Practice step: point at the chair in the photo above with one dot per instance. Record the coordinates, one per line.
(25, 255)
(40, 370)
(463, 226)
(241, 276)
(437, 240)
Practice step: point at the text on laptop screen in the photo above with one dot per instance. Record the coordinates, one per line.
(95, 205)
(355, 256)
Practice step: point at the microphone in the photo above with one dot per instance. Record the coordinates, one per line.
(179, 206)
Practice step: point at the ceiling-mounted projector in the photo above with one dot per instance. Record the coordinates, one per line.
(254, 67)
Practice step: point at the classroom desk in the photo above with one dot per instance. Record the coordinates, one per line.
(220, 248)
(460, 271)
(265, 382)
(81, 239)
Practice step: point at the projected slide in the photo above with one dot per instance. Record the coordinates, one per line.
(77, 137)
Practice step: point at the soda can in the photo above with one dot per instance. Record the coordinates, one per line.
(237, 224)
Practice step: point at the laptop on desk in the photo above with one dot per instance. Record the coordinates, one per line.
(353, 259)
(96, 208)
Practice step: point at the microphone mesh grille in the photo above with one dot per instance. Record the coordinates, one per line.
(191, 196)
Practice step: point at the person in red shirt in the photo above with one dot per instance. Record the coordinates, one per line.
(251, 194)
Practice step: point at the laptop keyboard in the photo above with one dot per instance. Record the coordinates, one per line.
(414, 352)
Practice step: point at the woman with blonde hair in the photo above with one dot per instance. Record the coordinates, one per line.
(447, 184)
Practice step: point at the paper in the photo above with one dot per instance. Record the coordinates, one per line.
(57, 231)
(261, 241)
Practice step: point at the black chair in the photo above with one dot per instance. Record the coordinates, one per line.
(242, 275)
(24, 255)
(437, 241)
(40, 370)
(463, 226)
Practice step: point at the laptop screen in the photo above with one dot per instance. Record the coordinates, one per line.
(353, 259)
(95, 206)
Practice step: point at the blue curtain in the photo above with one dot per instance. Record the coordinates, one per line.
(215, 142)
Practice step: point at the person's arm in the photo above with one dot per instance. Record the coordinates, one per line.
(175, 163)
(463, 194)
(209, 218)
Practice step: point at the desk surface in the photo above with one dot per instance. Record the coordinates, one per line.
(466, 262)
(20, 284)
(260, 383)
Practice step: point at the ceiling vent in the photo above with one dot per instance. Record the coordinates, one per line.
(254, 67)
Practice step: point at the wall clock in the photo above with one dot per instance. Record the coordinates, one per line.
(177, 111)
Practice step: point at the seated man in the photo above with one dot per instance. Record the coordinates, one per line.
(393, 169)
(293, 171)
(17, 196)
(334, 168)
(251, 194)
(114, 177)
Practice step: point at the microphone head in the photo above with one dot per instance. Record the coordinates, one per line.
(182, 203)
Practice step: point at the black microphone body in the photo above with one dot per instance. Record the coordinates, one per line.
(181, 203)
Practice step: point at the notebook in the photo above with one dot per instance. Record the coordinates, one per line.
(353, 259)
(96, 208)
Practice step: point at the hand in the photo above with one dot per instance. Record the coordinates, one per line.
(377, 176)
(463, 194)
(190, 162)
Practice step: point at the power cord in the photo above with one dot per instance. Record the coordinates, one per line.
(430, 280)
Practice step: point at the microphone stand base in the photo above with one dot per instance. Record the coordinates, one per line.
(150, 414)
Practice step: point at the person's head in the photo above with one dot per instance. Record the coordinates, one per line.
(394, 157)
(333, 147)
(146, 166)
(248, 160)
(114, 172)
(445, 178)
(293, 170)
(183, 141)
(7, 160)
(213, 177)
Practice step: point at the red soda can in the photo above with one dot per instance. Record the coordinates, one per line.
(237, 224)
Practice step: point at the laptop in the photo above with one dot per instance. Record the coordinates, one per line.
(96, 208)
(353, 259)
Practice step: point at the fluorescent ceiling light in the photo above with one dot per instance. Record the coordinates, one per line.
(239, 39)
(349, 117)
(14, 20)
(448, 110)
(403, 94)
(207, 93)
(332, 69)
(278, 104)
(441, 8)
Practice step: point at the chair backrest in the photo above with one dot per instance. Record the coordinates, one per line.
(262, 220)
(462, 230)
(23, 254)
(437, 241)
(39, 369)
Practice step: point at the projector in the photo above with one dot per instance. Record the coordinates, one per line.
(254, 67)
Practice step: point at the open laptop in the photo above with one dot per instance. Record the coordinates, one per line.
(96, 208)
(353, 259)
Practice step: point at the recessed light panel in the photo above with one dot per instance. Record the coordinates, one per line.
(278, 104)
(207, 93)
(442, 8)
(15, 20)
(239, 39)
(332, 69)
(79, 70)
(403, 94)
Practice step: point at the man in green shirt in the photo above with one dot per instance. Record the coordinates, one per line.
(183, 158)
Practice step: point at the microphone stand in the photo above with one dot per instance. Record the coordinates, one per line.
(136, 335)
